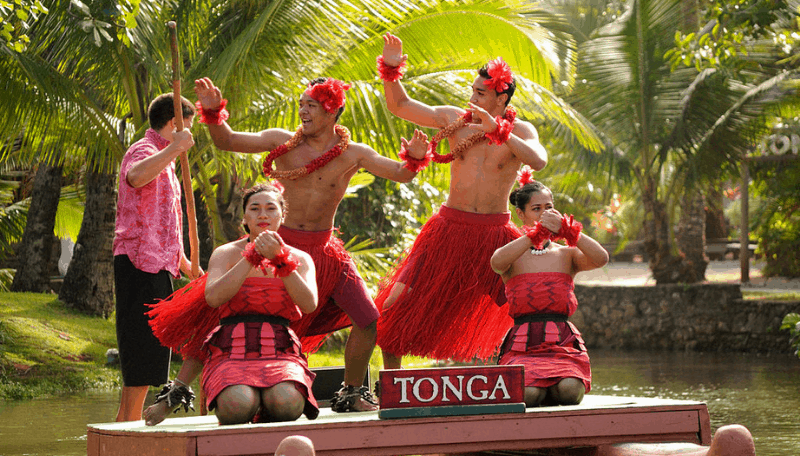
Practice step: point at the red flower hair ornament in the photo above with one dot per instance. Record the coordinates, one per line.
(500, 75)
(330, 94)
(525, 176)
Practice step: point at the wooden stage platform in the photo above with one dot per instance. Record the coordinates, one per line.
(599, 420)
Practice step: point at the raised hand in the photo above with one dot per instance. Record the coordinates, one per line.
(481, 119)
(551, 219)
(393, 50)
(209, 95)
(418, 146)
(269, 244)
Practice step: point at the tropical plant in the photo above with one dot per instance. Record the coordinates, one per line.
(674, 129)
(97, 64)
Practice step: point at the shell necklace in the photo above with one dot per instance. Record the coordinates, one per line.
(542, 251)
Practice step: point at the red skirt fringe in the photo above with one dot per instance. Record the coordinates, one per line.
(451, 308)
(329, 257)
(183, 320)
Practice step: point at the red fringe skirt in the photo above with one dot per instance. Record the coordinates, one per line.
(451, 306)
(329, 257)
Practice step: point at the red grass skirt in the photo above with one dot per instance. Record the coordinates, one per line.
(329, 257)
(451, 308)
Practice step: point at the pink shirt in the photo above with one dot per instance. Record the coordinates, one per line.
(149, 224)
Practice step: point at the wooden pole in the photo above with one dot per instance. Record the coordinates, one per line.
(185, 171)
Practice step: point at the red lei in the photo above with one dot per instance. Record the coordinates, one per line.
(313, 165)
(460, 148)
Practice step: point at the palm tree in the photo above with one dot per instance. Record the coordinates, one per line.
(677, 128)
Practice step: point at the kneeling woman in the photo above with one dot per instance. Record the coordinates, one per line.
(252, 364)
(538, 274)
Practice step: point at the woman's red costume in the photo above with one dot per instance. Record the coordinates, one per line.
(542, 339)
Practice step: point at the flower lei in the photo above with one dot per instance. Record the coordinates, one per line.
(330, 94)
(414, 164)
(390, 73)
(525, 176)
(281, 265)
(212, 116)
(570, 231)
(313, 165)
(505, 123)
(500, 75)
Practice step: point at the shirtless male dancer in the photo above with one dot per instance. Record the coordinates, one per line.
(443, 299)
(315, 165)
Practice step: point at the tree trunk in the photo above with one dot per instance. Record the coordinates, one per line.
(656, 236)
(691, 237)
(35, 251)
(89, 282)
(717, 226)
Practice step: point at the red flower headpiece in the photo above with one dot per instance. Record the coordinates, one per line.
(330, 94)
(500, 75)
(525, 176)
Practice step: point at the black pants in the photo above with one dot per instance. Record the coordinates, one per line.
(143, 360)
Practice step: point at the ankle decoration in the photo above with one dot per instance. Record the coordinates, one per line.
(176, 395)
(538, 234)
(503, 131)
(212, 116)
(414, 164)
(344, 400)
(390, 73)
(570, 230)
(283, 263)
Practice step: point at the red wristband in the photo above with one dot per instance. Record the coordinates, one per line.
(538, 234)
(253, 257)
(413, 164)
(570, 230)
(503, 131)
(212, 116)
(283, 263)
(390, 73)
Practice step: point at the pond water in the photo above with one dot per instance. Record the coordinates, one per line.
(758, 391)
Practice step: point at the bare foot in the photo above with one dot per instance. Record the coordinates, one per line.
(155, 413)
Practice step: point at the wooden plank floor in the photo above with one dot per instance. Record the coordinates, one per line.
(598, 420)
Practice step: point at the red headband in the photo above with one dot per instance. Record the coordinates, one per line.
(499, 75)
(525, 176)
(330, 94)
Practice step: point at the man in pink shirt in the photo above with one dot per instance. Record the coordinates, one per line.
(148, 248)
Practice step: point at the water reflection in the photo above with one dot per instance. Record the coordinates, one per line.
(759, 392)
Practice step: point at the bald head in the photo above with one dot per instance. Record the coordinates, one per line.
(295, 445)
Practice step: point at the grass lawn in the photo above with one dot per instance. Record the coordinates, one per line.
(48, 349)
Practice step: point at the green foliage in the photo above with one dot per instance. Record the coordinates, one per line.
(729, 28)
(776, 222)
(15, 20)
(46, 348)
(792, 323)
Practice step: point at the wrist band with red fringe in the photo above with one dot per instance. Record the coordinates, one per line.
(503, 131)
(283, 263)
(253, 257)
(538, 234)
(414, 164)
(212, 116)
(390, 73)
(570, 230)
